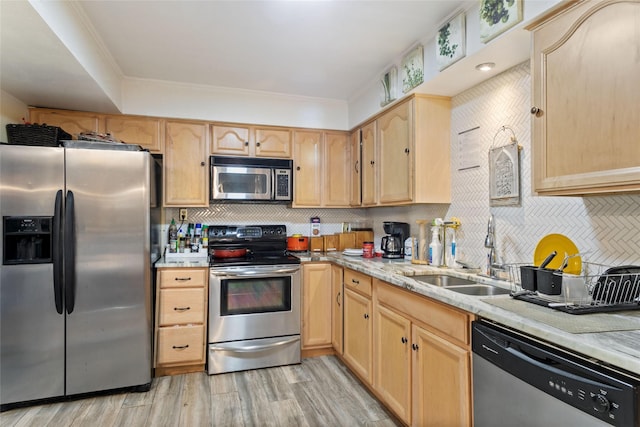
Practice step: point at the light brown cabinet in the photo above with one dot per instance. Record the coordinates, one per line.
(337, 304)
(239, 140)
(148, 132)
(181, 313)
(185, 164)
(72, 122)
(322, 170)
(422, 358)
(392, 361)
(369, 188)
(586, 114)
(316, 305)
(406, 153)
(355, 165)
(358, 324)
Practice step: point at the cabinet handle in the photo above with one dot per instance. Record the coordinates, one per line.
(201, 163)
(338, 298)
(356, 166)
(246, 143)
(297, 168)
(182, 279)
(181, 308)
(180, 347)
(355, 282)
(406, 150)
(404, 340)
(257, 144)
(415, 347)
(536, 111)
(372, 162)
(366, 316)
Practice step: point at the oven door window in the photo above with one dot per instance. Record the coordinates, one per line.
(252, 296)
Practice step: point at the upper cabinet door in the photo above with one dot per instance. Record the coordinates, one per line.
(586, 113)
(337, 170)
(231, 140)
(273, 142)
(186, 170)
(73, 122)
(369, 168)
(307, 165)
(395, 138)
(355, 166)
(144, 131)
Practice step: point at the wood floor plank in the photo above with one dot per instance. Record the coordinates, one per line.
(102, 411)
(226, 410)
(288, 413)
(276, 384)
(38, 416)
(133, 416)
(196, 398)
(222, 383)
(256, 410)
(295, 373)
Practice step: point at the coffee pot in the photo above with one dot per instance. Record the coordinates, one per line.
(392, 244)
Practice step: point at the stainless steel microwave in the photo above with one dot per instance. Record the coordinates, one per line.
(250, 179)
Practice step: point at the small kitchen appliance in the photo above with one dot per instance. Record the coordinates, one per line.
(243, 179)
(392, 244)
(254, 299)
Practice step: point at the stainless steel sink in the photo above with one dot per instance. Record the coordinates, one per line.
(443, 280)
(461, 286)
(479, 289)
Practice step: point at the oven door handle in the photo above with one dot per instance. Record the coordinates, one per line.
(252, 348)
(255, 273)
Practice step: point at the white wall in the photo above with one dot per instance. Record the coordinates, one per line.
(12, 110)
(181, 100)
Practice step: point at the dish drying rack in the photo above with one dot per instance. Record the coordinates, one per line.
(595, 290)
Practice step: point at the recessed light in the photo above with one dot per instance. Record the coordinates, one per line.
(486, 66)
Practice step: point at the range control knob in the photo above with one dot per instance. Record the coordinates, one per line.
(600, 403)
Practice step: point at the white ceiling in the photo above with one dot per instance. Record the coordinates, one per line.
(325, 49)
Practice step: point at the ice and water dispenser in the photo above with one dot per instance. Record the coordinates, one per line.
(27, 240)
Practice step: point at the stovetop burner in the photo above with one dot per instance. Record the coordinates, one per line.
(265, 244)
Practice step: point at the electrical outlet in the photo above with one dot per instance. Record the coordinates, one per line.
(183, 214)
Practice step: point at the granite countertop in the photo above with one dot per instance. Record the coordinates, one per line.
(614, 338)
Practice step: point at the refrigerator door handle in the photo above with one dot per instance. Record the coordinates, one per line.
(69, 253)
(57, 252)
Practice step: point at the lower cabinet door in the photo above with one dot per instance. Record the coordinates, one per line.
(181, 345)
(392, 361)
(358, 333)
(441, 381)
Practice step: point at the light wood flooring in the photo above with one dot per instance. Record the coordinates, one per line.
(319, 392)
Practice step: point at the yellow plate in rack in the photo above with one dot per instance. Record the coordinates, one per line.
(563, 246)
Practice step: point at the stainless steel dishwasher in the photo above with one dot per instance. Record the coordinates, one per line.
(520, 381)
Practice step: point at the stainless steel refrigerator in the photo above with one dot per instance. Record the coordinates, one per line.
(75, 293)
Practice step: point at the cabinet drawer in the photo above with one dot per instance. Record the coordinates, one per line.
(359, 282)
(183, 277)
(181, 345)
(182, 306)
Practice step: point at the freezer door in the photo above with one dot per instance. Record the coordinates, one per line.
(109, 318)
(31, 330)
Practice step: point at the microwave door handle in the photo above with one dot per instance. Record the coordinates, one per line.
(273, 185)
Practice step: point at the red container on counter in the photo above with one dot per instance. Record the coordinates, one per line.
(367, 249)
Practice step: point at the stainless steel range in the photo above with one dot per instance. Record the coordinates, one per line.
(254, 299)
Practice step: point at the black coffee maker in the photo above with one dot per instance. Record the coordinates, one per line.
(393, 243)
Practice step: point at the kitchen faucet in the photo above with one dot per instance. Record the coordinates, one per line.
(492, 257)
